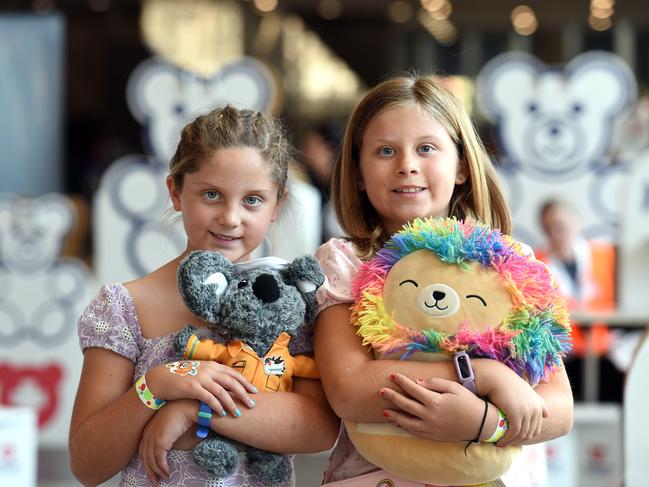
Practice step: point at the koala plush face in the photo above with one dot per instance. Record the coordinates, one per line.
(258, 302)
(252, 304)
(423, 292)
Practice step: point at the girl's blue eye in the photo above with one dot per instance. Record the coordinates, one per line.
(253, 200)
(386, 151)
(426, 148)
(211, 195)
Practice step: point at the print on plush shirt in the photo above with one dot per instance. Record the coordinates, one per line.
(273, 372)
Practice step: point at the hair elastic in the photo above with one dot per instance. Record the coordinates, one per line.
(477, 438)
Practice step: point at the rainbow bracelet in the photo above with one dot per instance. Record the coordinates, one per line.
(146, 396)
(204, 420)
(501, 428)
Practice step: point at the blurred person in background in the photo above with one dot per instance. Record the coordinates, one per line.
(585, 272)
(319, 150)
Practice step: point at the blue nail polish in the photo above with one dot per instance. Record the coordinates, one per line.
(252, 403)
(237, 413)
(254, 389)
(224, 413)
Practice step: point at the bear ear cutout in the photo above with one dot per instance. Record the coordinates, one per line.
(507, 80)
(604, 79)
(54, 212)
(151, 82)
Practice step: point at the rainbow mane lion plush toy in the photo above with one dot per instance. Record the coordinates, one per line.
(441, 286)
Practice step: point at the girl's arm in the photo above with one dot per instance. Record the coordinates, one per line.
(284, 422)
(108, 416)
(425, 402)
(300, 421)
(107, 419)
(353, 381)
(557, 395)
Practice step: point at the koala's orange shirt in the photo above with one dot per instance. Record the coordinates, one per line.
(273, 372)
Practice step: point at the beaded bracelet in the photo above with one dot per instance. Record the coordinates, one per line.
(146, 396)
(204, 420)
(501, 428)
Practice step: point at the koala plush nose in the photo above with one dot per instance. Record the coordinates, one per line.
(265, 288)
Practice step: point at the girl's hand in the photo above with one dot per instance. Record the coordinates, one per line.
(435, 409)
(208, 381)
(523, 406)
(161, 432)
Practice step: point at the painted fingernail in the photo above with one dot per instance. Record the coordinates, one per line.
(237, 412)
(224, 413)
(393, 376)
(419, 379)
(386, 414)
(255, 390)
(251, 403)
(381, 393)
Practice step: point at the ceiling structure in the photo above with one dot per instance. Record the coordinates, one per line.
(105, 43)
(485, 13)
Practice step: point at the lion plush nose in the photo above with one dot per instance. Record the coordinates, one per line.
(438, 300)
(265, 288)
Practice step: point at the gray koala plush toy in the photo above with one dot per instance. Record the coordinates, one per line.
(252, 311)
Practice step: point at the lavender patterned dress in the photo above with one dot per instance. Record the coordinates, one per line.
(110, 322)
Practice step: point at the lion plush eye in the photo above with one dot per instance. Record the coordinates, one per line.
(243, 283)
(484, 303)
(409, 281)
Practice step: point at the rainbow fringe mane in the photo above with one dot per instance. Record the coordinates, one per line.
(532, 338)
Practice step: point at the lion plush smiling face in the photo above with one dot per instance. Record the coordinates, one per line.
(444, 285)
(423, 292)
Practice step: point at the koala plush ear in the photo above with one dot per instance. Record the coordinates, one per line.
(203, 277)
(305, 273)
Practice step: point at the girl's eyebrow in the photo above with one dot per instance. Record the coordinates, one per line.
(212, 185)
(423, 137)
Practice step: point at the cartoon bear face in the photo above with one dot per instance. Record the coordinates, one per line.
(32, 231)
(164, 98)
(424, 292)
(555, 123)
